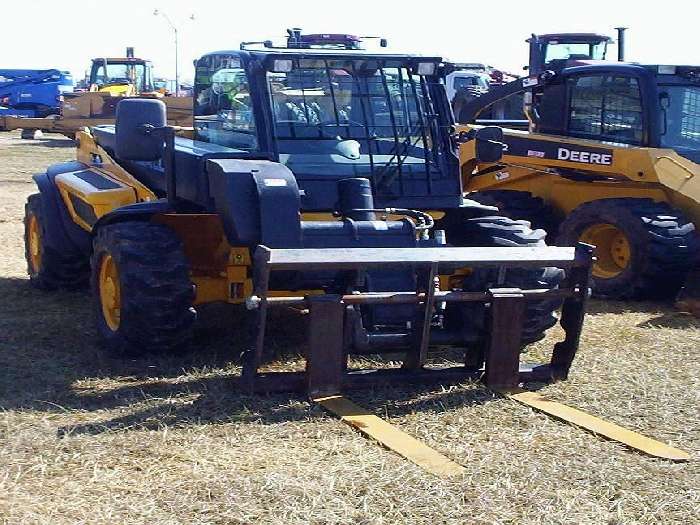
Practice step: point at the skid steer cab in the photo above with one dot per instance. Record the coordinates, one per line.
(324, 176)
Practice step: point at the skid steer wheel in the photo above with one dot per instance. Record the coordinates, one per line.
(503, 231)
(48, 268)
(644, 249)
(520, 205)
(141, 289)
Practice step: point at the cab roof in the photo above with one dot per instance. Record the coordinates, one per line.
(583, 37)
(263, 53)
(121, 60)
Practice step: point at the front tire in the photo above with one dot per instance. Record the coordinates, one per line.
(142, 293)
(502, 231)
(644, 249)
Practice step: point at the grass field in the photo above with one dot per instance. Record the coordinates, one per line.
(163, 439)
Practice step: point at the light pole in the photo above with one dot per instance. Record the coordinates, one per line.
(156, 12)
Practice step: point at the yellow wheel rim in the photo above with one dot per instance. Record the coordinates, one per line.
(110, 292)
(613, 251)
(34, 242)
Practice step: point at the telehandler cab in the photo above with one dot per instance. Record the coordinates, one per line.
(304, 183)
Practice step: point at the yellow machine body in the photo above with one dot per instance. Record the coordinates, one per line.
(97, 106)
(116, 90)
(658, 174)
(220, 272)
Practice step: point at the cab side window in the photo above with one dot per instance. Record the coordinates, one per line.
(606, 107)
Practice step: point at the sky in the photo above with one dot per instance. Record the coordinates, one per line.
(69, 35)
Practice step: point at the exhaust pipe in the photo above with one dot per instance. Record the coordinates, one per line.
(621, 43)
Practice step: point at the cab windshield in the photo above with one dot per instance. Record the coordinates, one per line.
(575, 50)
(681, 118)
(105, 74)
(373, 112)
(328, 117)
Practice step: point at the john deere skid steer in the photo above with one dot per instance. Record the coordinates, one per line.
(303, 185)
(612, 158)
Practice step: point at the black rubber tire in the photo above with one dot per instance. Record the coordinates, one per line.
(30, 134)
(156, 292)
(64, 270)
(503, 231)
(663, 246)
(521, 205)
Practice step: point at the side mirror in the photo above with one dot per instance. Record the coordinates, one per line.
(132, 141)
(489, 144)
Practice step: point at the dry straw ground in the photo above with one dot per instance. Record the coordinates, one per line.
(88, 439)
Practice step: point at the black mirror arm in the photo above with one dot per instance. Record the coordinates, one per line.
(464, 136)
(167, 134)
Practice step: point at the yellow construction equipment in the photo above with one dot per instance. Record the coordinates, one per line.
(611, 158)
(110, 80)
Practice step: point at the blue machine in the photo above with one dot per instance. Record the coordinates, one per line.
(33, 92)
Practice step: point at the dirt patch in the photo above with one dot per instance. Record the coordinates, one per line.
(86, 438)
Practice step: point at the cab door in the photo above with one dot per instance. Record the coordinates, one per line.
(606, 106)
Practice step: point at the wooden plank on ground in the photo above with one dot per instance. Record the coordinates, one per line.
(596, 425)
(390, 436)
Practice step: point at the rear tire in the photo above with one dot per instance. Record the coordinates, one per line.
(48, 268)
(142, 293)
(503, 231)
(645, 248)
(520, 205)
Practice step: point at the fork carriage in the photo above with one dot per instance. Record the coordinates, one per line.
(334, 331)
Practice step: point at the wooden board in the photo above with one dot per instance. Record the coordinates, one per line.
(596, 425)
(391, 437)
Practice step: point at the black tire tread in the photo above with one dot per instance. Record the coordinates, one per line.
(520, 205)
(504, 231)
(667, 245)
(157, 294)
(59, 270)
